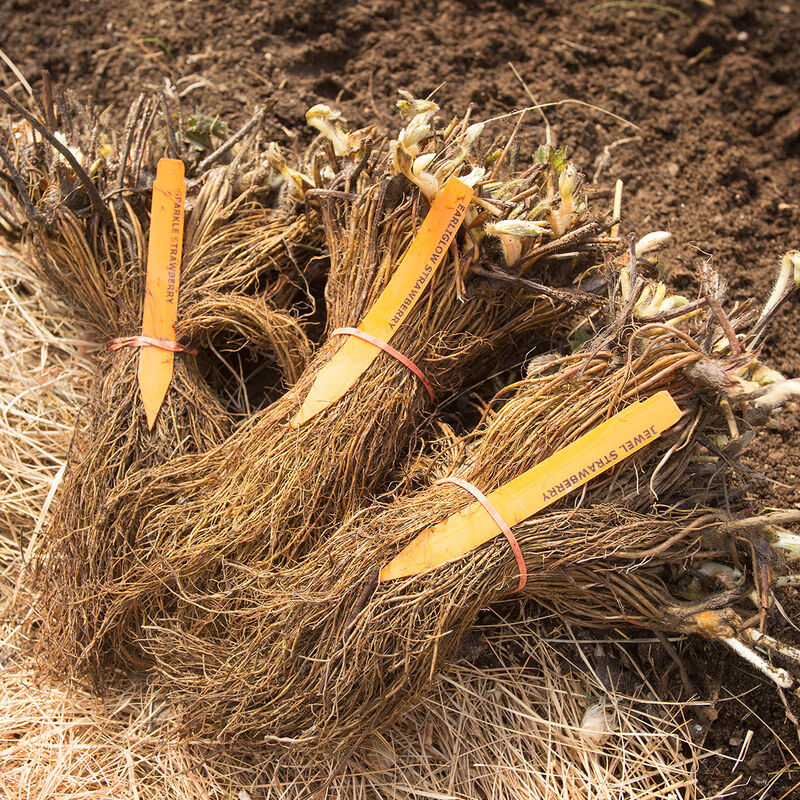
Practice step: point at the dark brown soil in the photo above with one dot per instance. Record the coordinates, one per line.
(710, 149)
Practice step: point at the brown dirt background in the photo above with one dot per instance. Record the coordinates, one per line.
(713, 92)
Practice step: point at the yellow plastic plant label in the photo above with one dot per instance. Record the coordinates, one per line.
(416, 268)
(162, 284)
(592, 454)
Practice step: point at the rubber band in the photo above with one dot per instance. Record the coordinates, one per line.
(501, 523)
(387, 348)
(149, 341)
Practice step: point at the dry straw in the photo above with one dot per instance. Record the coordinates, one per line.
(314, 657)
(526, 724)
(81, 204)
(270, 490)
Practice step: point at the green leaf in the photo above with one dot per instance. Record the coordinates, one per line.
(201, 128)
(578, 339)
(556, 157)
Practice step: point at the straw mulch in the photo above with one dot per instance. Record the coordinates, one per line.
(47, 366)
(529, 726)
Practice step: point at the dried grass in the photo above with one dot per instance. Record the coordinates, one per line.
(510, 729)
(46, 364)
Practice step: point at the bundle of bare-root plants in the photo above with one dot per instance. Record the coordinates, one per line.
(187, 522)
(79, 200)
(319, 654)
(523, 721)
(523, 708)
(229, 564)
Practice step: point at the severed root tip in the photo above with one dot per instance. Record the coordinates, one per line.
(780, 677)
(763, 640)
(720, 623)
(785, 581)
(777, 394)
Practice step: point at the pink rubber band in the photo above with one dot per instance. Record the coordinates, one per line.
(147, 341)
(387, 348)
(501, 523)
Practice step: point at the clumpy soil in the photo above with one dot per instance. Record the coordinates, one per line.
(695, 108)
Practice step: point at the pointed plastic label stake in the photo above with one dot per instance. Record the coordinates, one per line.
(576, 464)
(162, 284)
(416, 268)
